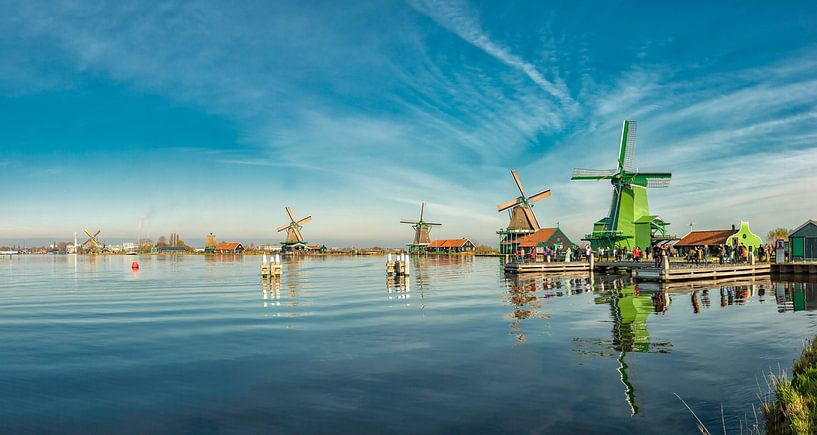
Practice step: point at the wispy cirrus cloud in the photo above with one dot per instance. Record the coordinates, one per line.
(455, 16)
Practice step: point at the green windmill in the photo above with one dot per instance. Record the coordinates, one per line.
(629, 223)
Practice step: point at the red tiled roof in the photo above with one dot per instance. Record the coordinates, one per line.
(448, 243)
(531, 240)
(700, 238)
(227, 246)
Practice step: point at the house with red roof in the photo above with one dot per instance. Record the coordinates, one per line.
(533, 245)
(229, 248)
(451, 245)
(700, 239)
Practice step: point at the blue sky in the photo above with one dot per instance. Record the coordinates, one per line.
(196, 116)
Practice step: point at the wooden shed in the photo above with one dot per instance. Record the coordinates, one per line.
(803, 242)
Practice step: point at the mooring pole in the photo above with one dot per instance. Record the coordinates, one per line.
(665, 267)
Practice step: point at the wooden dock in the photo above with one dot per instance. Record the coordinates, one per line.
(646, 271)
(704, 272)
(551, 267)
(794, 268)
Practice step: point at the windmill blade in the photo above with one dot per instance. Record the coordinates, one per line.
(531, 218)
(539, 196)
(508, 204)
(291, 215)
(298, 234)
(657, 183)
(518, 183)
(432, 223)
(422, 210)
(97, 233)
(88, 233)
(304, 220)
(409, 222)
(282, 228)
(627, 150)
(653, 179)
(593, 174)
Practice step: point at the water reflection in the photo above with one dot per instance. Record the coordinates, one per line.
(288, 290)
(398, 287)
(271, 291)
(522, 296)
(796, 296)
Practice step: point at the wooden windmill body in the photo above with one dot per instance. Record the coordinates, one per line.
(92, 245)
(522, 219)
(294, 237)
(422, 237)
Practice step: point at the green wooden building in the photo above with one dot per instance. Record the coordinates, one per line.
(803, 242)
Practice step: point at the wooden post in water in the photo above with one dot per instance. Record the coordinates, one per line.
(665, 267)
(389, 265)
(405, 266)
(398, 267)
(271, 269)
(264, 266)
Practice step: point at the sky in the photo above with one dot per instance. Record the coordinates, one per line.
(142, 118)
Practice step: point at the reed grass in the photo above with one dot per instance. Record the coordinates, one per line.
(793, 407)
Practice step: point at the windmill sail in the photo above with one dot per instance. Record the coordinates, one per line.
(592, 174)
(628, 141)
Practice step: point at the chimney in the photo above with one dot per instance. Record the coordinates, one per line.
(733, 227)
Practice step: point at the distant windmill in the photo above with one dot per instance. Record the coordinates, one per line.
(629, 207)
(92, 244)
(294, 228)
(523, 221)
(522, 217)
(421, 231)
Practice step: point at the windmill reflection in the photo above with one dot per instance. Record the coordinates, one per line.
(528, 293)
(629, 309)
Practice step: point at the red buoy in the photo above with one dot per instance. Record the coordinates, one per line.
(134, 265)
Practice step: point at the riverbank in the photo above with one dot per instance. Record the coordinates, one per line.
(794, 408)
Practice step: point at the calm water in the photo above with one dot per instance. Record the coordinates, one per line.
(194, 344)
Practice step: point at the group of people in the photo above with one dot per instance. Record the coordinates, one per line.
(730, 254)
(635, 255)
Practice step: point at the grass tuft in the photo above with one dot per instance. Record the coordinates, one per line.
(794, 407)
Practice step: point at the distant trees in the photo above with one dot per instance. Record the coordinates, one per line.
(778, 233)
(483, 249)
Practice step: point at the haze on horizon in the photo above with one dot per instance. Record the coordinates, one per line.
(192, 117)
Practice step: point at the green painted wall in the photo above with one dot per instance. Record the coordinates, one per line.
(797, 244)
(746, 237)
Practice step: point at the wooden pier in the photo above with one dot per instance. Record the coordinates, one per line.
(697, 273)
(794, 268)
(548, 267)
(646, 271)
